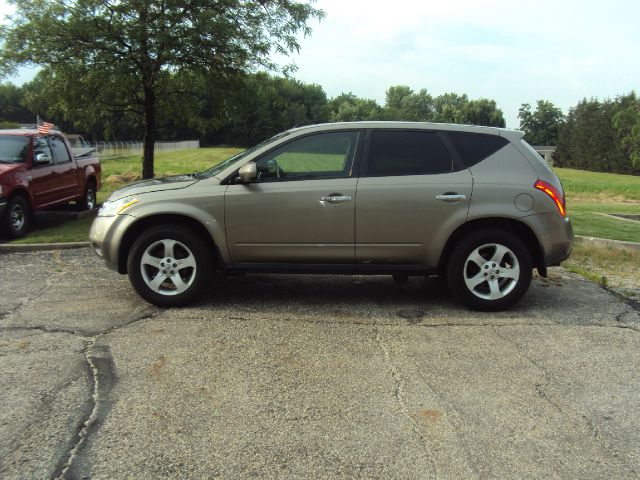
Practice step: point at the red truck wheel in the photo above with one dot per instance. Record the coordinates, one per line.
(88, 200)
(17, 217)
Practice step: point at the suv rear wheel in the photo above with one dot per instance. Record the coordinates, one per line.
(489, 270)
(169, 265)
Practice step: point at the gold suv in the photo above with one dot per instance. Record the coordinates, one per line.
(476, 205)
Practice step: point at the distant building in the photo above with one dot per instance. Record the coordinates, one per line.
(546, 152)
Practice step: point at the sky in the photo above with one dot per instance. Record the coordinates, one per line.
(511, 51)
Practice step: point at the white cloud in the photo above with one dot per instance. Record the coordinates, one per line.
(513, 52)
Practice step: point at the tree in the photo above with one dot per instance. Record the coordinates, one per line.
(402, 103)
(121, 55)
(588, 140)
(264, 105)
(541, 126)
(483, 112)
(450, 108)
(346, 107)
(11, 108)
(626, 121)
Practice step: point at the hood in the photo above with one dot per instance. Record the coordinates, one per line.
(154, 185)
(9, 167)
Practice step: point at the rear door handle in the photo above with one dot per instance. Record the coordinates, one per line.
(450, 197)
(336, 198)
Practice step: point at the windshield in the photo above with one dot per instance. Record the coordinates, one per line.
(229, 161)
(13, 149)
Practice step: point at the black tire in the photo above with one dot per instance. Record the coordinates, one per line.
(88, 199)
(142, 275)
(493, 277)
(17, 217)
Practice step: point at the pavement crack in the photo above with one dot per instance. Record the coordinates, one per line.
(45, 329)
(399, 398)
(102, 373)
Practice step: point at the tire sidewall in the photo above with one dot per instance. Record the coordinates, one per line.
(8, 227)
(456, 265)
(200, 250)
(90, 190)
(83, 202)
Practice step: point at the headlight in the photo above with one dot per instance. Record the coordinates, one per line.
(111, 209)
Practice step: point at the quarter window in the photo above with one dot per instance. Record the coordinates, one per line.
(60, 150)
(324, 155)
(475, 147)
(401, 152)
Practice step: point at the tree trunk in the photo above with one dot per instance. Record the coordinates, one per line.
(149, 132)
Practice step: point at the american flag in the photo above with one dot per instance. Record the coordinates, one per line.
(44, 128)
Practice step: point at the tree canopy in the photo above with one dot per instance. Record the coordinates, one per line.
(119, 56)
(542, 125)
(602, 136)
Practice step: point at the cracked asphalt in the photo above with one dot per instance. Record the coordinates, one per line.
(311, 377)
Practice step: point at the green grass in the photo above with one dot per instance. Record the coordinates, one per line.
(590, 195)
(319, 162)
(166, 163)
(595, 186)
(71, 231)
(606, 266)
(588, 220)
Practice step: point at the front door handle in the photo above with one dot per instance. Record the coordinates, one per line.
(450, 197)
(336, 198)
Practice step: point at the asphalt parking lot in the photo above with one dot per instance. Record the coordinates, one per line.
(311, 377)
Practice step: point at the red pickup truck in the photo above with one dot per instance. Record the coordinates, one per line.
(40, 171)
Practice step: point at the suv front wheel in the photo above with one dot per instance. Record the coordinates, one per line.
(489, 270)
(169, 265)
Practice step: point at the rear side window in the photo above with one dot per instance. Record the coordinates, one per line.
(60, 150)
(398, 152)
(475, 147)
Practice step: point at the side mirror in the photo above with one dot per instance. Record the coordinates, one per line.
(248, 172)
(43, 159)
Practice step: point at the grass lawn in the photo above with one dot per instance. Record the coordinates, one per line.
(166, 163)
(71, 231)
(590, 195)
(617, 269)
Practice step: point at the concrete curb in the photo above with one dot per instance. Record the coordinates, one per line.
(607, 243)
(33, 247)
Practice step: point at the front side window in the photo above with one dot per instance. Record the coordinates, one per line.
(60, 150)
(402, 152)
(41, 146)
(13, 148)
(323, 155)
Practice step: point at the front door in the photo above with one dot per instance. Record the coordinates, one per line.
(301, 207)
(43, 180)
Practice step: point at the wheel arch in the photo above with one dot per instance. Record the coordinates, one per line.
(519, 228)
(145, 223)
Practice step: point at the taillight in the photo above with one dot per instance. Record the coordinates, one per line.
(556, 196)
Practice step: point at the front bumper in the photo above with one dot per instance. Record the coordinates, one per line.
(3, 206)
(106, 236)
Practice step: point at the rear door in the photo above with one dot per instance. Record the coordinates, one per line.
(301, 208)
(412, 193)
(67, 178)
